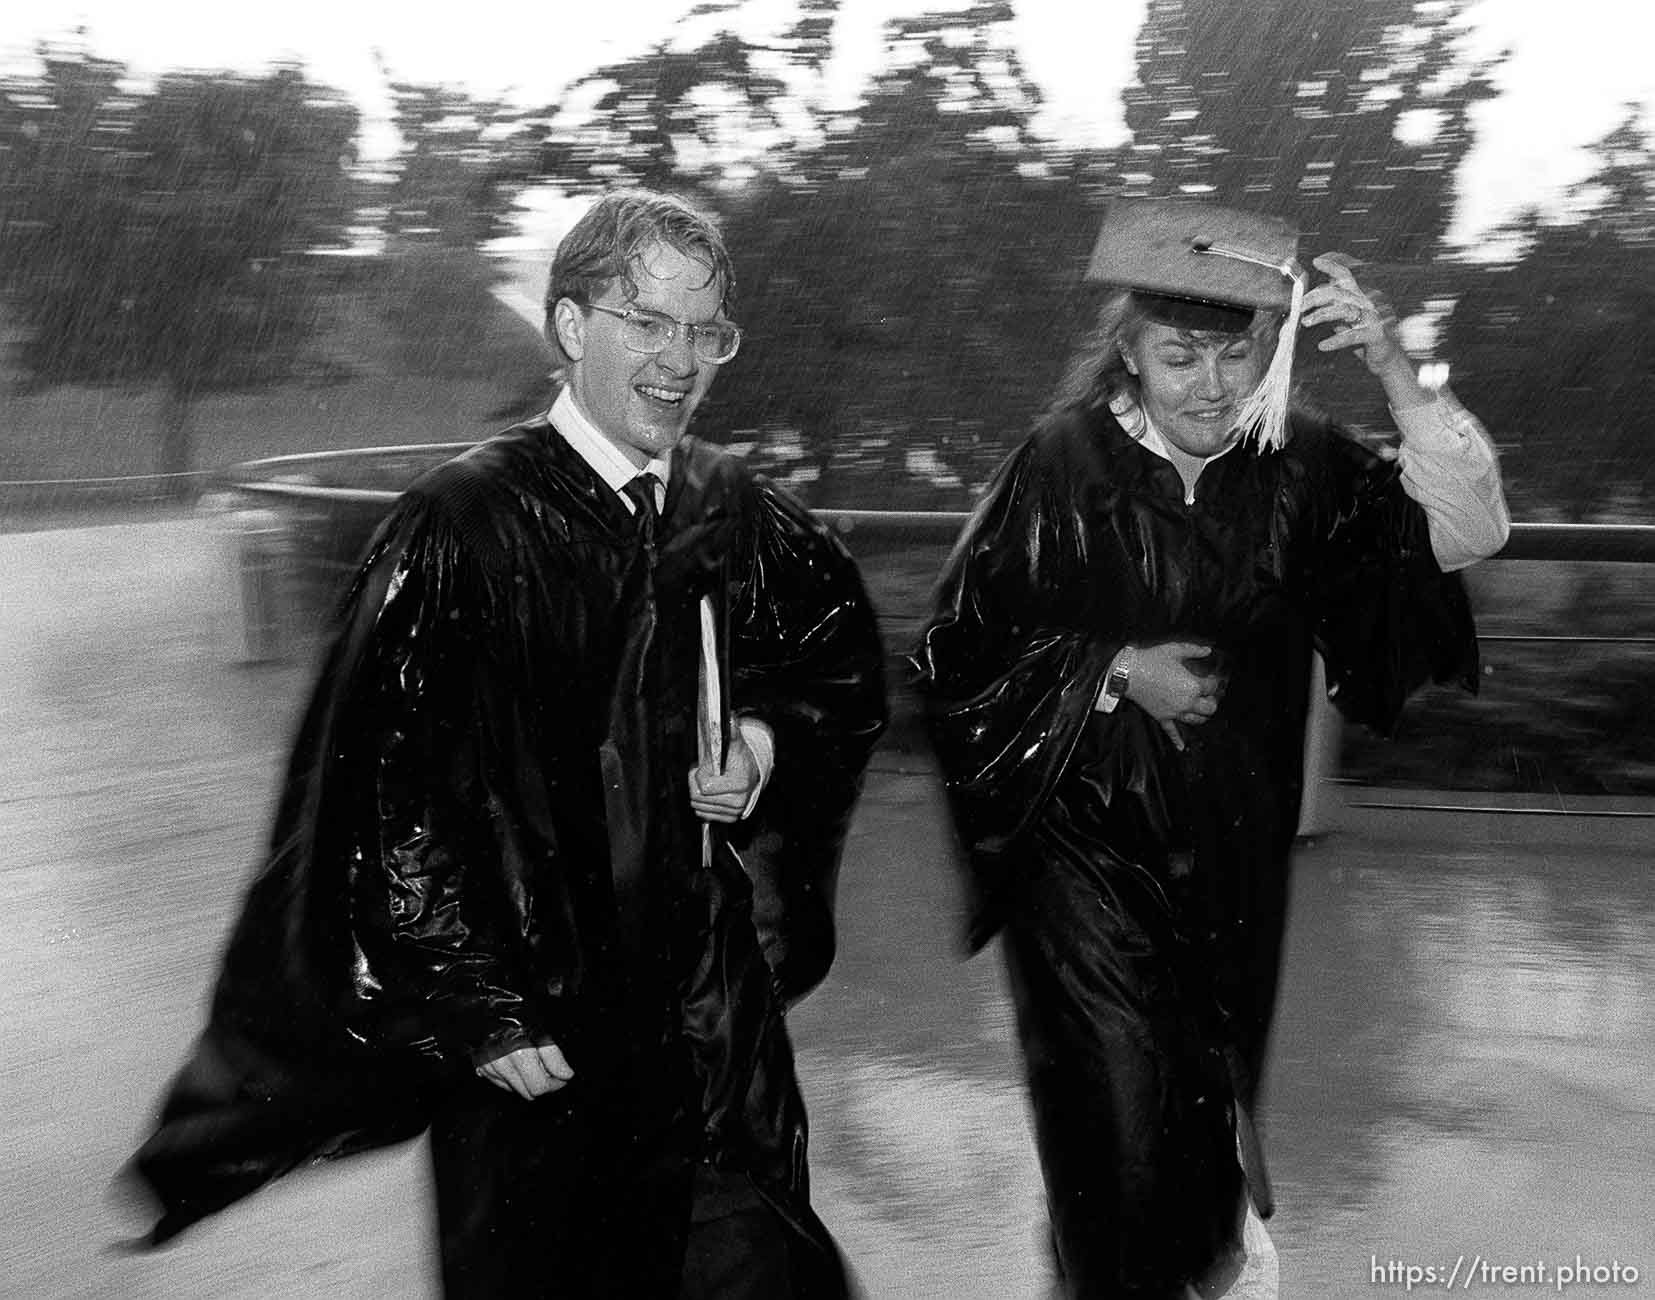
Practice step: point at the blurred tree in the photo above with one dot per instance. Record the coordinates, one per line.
(673, 117)
(909, 266)
(1553, 349)
(1348, 117)
(446, 193)
(911, 263)
(162, 234)
(461, 162)
(64, 136)
(914, 279)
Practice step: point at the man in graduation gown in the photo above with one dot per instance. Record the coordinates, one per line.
(1116, 682)
(559, 836)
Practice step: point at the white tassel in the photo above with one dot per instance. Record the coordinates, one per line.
(1264, 414)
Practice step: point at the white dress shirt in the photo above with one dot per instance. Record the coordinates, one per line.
(1449, 467)
(613, 467)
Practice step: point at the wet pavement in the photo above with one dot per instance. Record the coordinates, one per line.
(1462, 1072)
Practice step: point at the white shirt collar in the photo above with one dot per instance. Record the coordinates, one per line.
(605, 458)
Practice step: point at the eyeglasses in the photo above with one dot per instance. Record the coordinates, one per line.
(650, 332)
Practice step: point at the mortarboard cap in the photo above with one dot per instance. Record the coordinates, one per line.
(1150, 244)
(1196, 252)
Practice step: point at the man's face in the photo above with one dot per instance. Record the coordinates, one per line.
(1192, 382)
(642, 403)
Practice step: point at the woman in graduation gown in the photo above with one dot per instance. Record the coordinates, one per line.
(1116, 681)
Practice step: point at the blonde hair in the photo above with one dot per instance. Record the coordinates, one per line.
(611, 237)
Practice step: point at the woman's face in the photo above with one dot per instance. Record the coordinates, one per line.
(1191, 383)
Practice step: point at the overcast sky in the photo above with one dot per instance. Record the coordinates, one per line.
(1575, 62)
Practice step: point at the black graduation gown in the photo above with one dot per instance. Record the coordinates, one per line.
(484, 838)
(1143, 890)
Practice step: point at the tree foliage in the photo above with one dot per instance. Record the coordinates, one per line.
(910, 266)
(447, 192)
(1348, 116)
(675, 116)
(918, 272)
(457, 172)
(162, 234)
(1553, 349)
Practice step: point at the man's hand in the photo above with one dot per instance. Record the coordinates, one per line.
(1174, 682)
(530, 1072)
(722, 796)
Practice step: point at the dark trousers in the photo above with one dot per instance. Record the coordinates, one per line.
(595, 1193)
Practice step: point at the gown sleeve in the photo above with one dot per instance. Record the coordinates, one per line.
(439, 958)
(372, 954)
(806, 659)
(1007, 668)
(1387, 618)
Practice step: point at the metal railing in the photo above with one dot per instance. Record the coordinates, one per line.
(1614, 543)
(279, 484)
(1611, 543)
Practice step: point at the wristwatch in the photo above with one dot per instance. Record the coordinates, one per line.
(1119, 678)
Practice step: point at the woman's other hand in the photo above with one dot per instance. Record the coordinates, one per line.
(530, 1072)
(1176, 682)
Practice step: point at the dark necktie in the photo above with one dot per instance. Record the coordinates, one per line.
(642, 491)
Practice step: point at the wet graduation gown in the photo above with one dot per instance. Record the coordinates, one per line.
(1143, 890)
(485, 840)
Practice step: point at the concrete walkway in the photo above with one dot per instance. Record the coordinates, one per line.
(1462, 1065)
